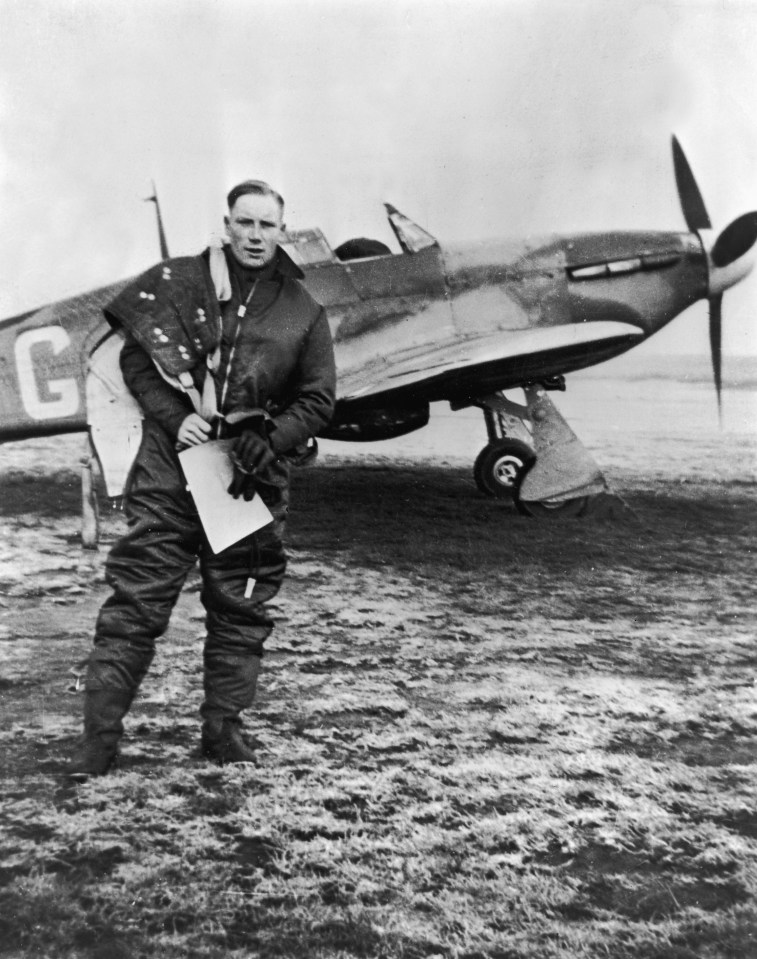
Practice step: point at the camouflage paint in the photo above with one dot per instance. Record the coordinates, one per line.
(412, 327)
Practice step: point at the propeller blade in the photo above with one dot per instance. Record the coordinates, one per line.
(716, 327)
(692, 204)
(735, 240)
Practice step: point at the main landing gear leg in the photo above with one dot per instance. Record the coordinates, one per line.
(90, 512)
(509, 454)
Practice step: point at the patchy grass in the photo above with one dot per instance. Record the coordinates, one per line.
(480, 737)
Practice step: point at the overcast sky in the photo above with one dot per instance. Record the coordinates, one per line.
(478, 118)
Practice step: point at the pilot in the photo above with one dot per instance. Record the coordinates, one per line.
(227, 344)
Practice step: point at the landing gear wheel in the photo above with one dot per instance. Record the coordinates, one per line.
(552, 509)
(500, 467)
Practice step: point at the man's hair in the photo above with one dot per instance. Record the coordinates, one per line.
(259, 188)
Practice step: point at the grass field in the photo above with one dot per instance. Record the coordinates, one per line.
(480, 736)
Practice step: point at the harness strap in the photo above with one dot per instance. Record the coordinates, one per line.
(219, 269)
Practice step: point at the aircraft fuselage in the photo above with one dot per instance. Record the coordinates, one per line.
(43, 361)
(541, 296)
(431, 304)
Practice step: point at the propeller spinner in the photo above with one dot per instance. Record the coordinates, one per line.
(725, 255)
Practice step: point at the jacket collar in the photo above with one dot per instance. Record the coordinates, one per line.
(215, 257)
(286, 265)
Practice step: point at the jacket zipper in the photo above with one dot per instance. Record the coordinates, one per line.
(241, 313)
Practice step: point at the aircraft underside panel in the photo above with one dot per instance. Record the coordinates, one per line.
(496, 361)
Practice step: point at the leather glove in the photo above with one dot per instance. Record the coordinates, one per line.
(249, 454)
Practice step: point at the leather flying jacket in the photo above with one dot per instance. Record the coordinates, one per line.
(278, 357)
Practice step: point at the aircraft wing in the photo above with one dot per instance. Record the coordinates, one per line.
(456, 362)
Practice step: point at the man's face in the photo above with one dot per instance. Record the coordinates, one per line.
(254, 227)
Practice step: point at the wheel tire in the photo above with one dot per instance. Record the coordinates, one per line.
(500, 467)
(552, 509)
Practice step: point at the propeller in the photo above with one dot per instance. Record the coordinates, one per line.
(735, 240)
(692, 204)
(732, 243)
(716, 348)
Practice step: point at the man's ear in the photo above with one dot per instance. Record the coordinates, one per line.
(226, 223)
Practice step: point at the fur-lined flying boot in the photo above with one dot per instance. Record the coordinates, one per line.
(225, 743)
(104, 710)
(230, 683)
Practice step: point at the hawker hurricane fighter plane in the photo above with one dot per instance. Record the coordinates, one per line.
(457, 323)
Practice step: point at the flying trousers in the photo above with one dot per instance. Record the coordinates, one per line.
(278, 360)
(148, 566)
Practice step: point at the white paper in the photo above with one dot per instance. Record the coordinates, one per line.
(226, 520)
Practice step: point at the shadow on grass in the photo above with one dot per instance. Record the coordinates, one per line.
(407, 514)
(410, 515)
(48, 494)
